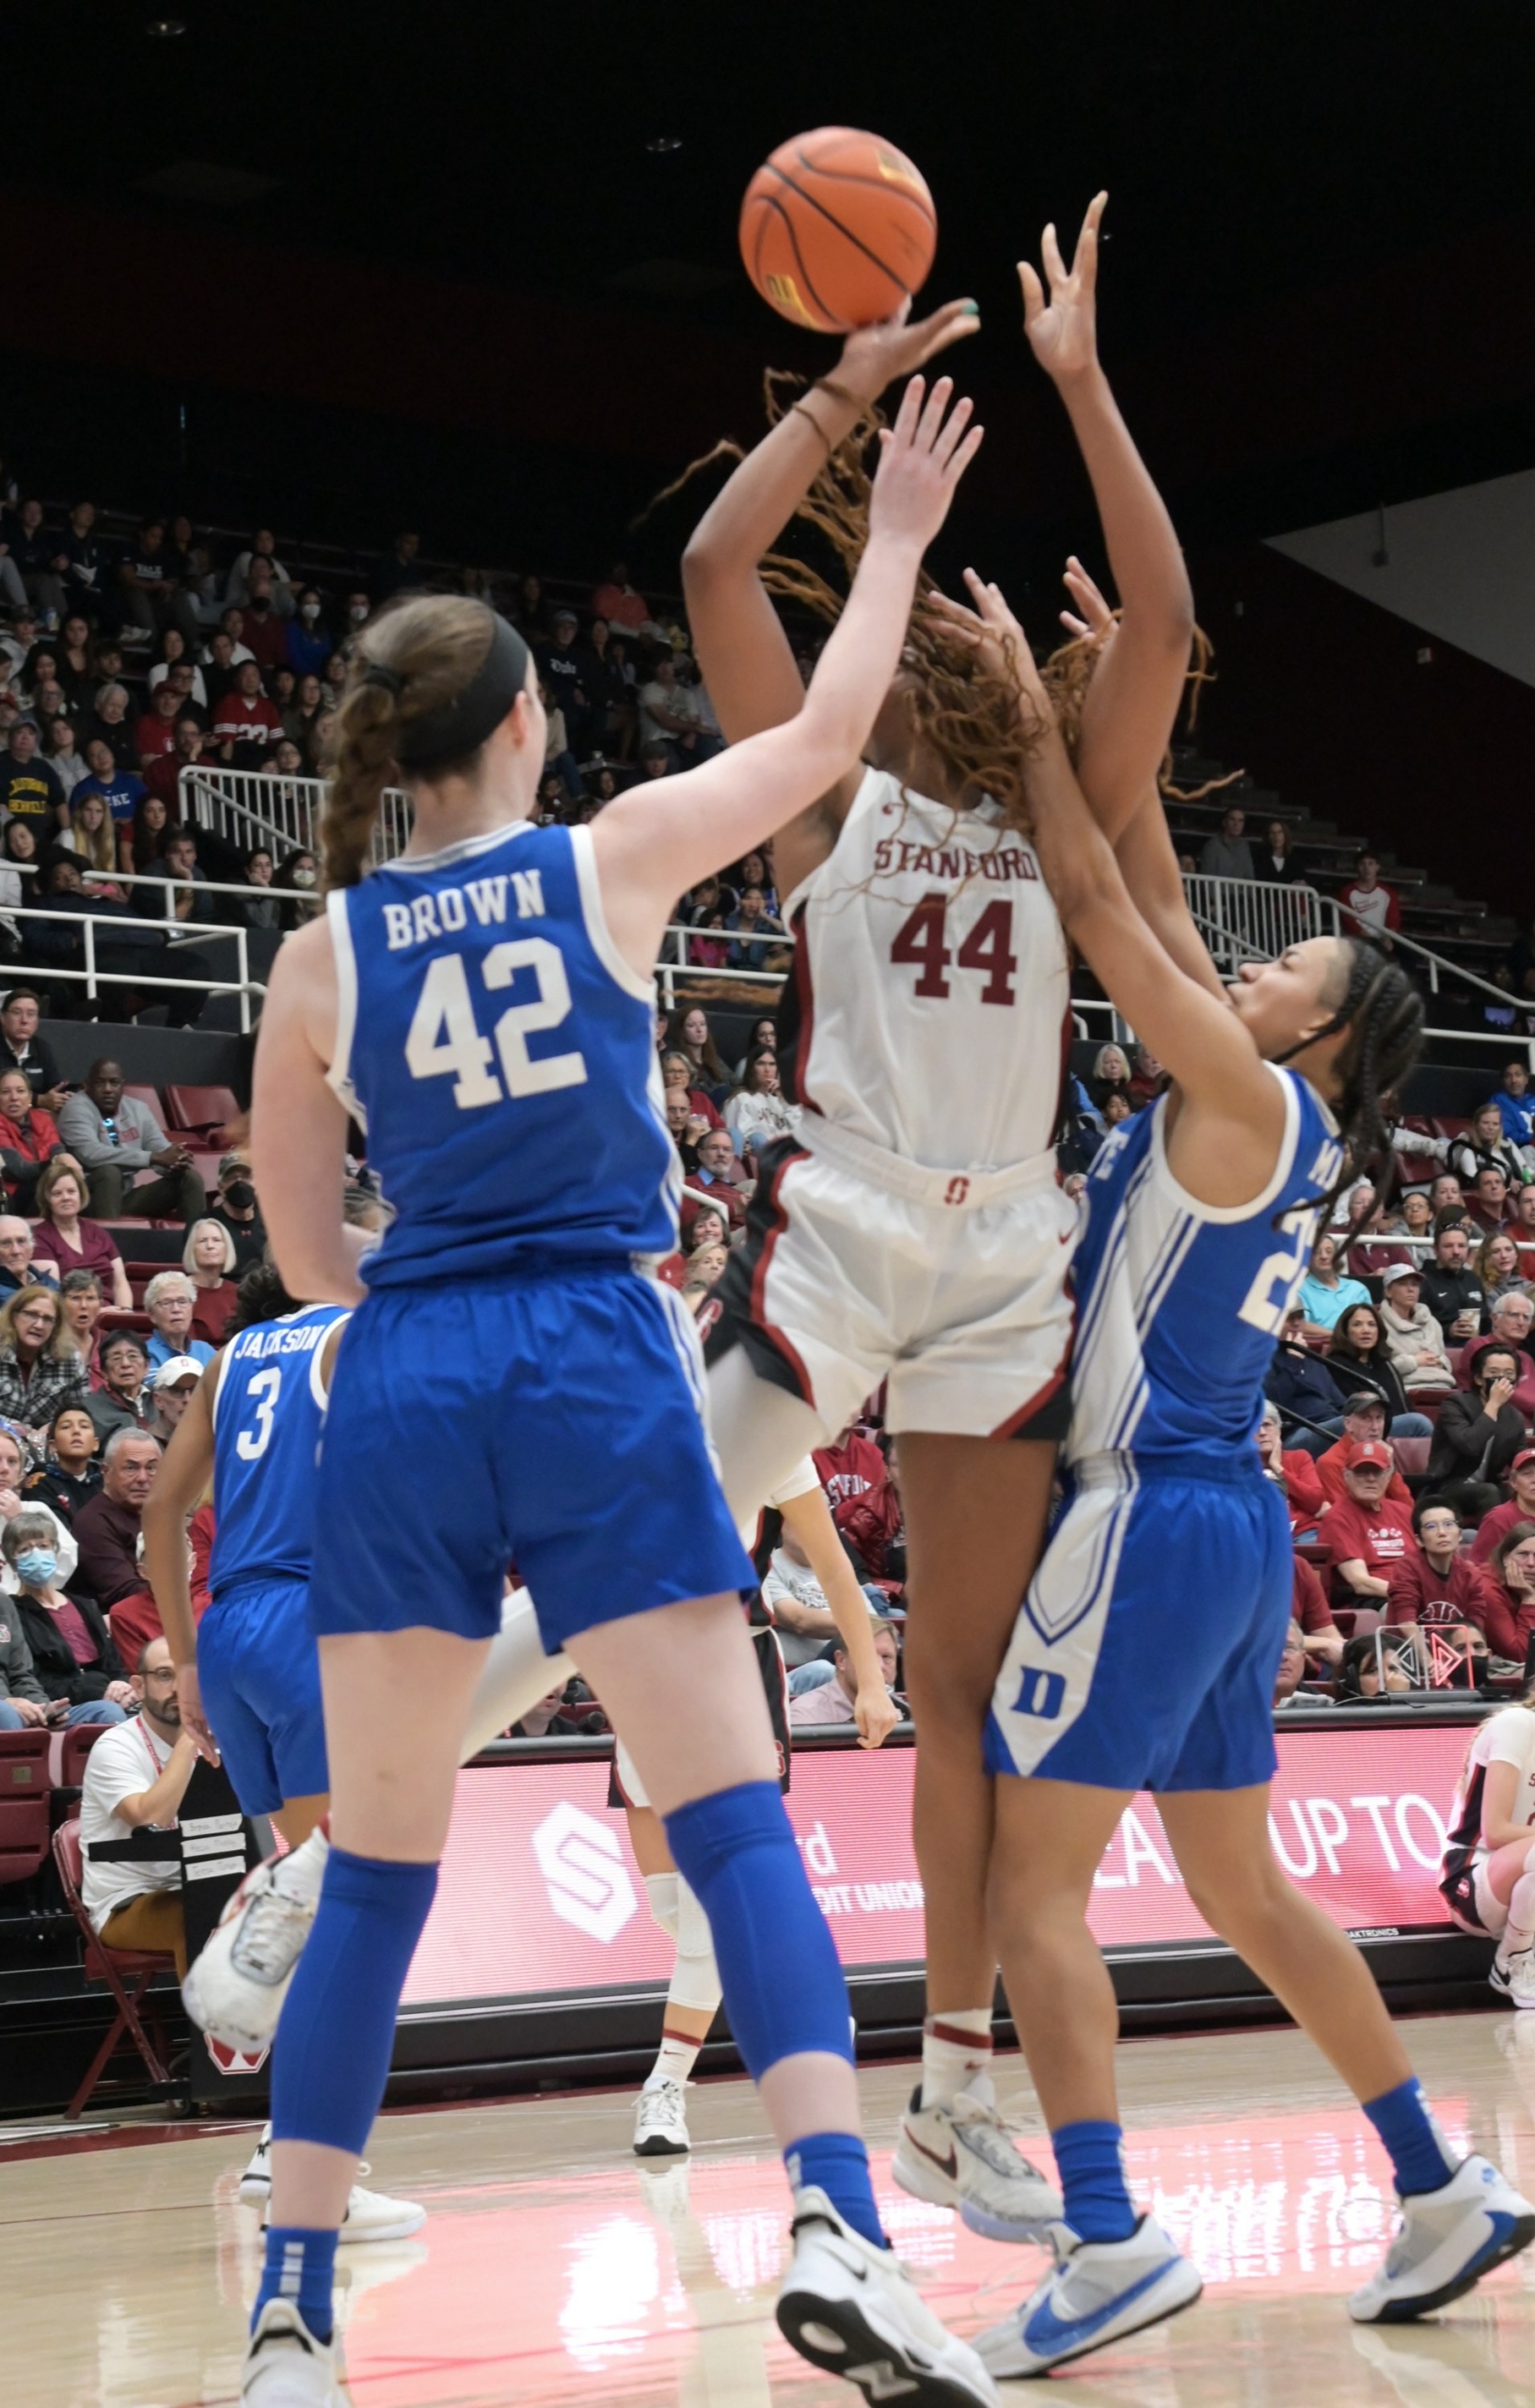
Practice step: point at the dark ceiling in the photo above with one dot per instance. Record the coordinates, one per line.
(1324, 174)
(1250, 151)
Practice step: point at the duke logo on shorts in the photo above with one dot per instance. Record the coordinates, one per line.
(1146, 1652)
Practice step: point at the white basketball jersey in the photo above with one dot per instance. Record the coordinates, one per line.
(929, 1009)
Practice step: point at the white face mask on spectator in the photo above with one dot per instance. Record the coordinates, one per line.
(359, 612)
(311, 610)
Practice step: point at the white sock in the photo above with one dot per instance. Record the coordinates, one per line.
(674, 2060)
(1519, 1931)
(957, 2056)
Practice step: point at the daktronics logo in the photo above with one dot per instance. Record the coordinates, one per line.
(582, 1863)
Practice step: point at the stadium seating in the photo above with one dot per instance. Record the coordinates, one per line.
(24, 1787)
(204, 1112)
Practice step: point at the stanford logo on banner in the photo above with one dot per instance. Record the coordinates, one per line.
(582, 1863)
(538, 1892)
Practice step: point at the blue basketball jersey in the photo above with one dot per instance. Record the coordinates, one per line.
(267, 1413)
(501, 1055)
(1180, 1303)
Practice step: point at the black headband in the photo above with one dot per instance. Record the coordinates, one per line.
(460, 726)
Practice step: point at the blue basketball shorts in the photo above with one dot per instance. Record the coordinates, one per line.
(556, 1422)
(1146, 1650)
(258, 1670)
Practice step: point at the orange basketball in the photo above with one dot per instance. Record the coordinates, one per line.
(837, 228)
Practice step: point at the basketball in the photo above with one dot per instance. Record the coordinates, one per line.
(837, 229)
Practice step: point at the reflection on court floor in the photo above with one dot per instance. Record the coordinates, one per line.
(556, 2267)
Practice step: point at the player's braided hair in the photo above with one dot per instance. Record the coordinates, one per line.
(955, 706)
(260, 1296)
(1384, 1016)
(430, 645)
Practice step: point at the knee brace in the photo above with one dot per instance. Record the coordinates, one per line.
(695, 1982)
(661, 1897)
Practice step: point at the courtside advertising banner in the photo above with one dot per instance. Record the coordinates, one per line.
(540, 1893)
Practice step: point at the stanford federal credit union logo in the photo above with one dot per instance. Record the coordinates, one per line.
(584, 1872)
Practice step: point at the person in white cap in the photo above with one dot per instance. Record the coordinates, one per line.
(1414, 1340)
(172, 1385)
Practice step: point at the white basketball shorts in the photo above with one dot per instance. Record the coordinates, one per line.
(953, 1285)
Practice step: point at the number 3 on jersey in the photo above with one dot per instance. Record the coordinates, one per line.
(445, 1036)
(923, 940)
(250, 1444)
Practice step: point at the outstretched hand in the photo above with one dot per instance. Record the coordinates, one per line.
(874, 357)
(1063, 331)
(922, 459)
(997, 636)
(1097, 621)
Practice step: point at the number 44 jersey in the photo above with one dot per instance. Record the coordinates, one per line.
(929, 1009)
(268, 1410)
(1179, 1303)
(501, 1054)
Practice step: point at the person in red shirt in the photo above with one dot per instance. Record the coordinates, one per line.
(1372, 906)
(618, 603)
(155, 735)
(847, 1468)
(1320, 1634)
(1488, 1202)
(1293, 1473)
(264, 630)
(1510, 1595)
(1522, 1231)
(1364, 1416)
(1520, 1507)
(29, 1138)
(1366, 1534)
(163, 774)
(246, 724)
(1436, 1585)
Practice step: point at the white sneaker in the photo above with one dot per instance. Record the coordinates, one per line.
(854, 2310)
(963, 2156)
(285, 2366)
(371, 2215)
(1096, 2292)
(236, 1988)
(1449, 2237)
(660, 2121)
(1518, 1983)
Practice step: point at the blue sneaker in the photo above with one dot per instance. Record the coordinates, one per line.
(1097, 2292)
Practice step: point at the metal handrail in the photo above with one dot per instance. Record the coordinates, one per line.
(91, 977)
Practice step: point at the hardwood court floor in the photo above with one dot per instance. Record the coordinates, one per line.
(557, 2268)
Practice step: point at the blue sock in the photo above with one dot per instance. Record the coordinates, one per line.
(1090, 2160)
(778, 1968)
(838, 2163)
(336, 2034)
(301, 2267)
(1411, 2139)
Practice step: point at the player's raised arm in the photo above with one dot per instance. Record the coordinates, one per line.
(742, 649)
(1195, 1033)
(1133, 700)
(655, 841)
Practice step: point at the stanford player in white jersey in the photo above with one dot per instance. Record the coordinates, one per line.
(912, 1228)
